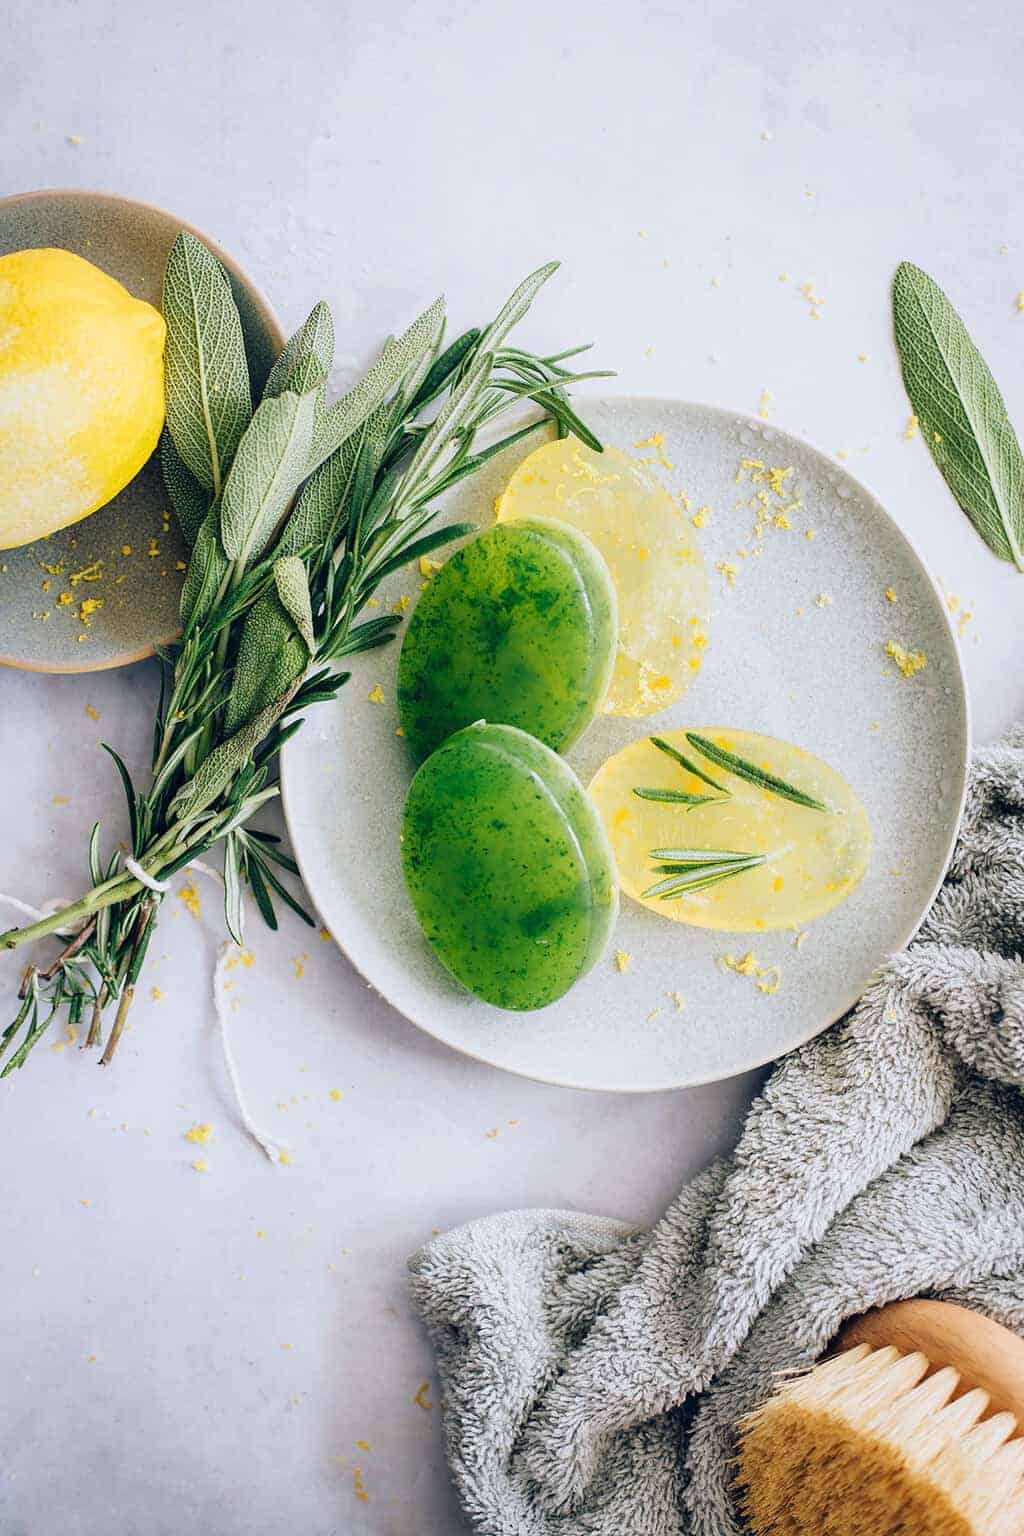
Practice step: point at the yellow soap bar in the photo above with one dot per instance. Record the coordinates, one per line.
(781, 863)
(656, 568)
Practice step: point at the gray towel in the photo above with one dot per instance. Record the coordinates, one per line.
(593, 1374)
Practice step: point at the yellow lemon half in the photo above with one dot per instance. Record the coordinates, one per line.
(796, 861)
(656, 568)
(81, 390)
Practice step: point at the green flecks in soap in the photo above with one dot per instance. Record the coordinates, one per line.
(519, 627)
(508, 866)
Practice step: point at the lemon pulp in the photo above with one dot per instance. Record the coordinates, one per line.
(813, 858)
(656, 568)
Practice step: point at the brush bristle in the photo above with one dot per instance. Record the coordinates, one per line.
(867, 1444)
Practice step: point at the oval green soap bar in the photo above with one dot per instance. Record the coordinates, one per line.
(519, 627)
(508, 866)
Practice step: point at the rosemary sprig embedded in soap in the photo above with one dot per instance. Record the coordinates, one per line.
(753, 774)
(690, 870)
(678, 797)
(681, 796)
(687, 763)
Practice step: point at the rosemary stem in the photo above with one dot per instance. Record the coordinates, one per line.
(93, 1037)
(138, 955)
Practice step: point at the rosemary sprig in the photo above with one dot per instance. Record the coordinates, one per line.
(752, 773)
(295, 513)
(687, 763)
(690, 870)
(679, 797)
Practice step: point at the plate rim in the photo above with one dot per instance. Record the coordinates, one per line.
(964, 743)
(268, 318)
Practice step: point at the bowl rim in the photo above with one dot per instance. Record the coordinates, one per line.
(268, 319)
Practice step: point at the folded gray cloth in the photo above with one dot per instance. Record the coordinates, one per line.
(593, 1374)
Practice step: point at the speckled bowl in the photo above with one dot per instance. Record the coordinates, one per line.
(140, 590)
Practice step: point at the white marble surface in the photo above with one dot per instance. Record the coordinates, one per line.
(678, 158)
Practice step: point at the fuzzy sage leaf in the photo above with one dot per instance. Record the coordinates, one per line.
(209, 402)
(216, 772)
(396, 360)
(307, 358)
(270, 463)
(961, 411)
(190, 500)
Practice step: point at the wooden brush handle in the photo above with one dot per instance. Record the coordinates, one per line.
(984, 1353)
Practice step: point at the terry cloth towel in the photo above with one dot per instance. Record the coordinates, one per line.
(593, 1374)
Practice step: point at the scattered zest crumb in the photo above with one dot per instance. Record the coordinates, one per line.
(766, 978)
(728, 570)
(376, 694)
(678, 999)
(910, 430)
(357, 1483)
(155, 993)
(188, 894)
(890, 595)
(421, 1399)
(492, 1134)
(199, 1134)
(654, 1014)
(93, 714)
(299, 962)
(622, 960)
(907, 662)
(336, 1094)
(762, 409)
(823, 600)
(201, 1165)
(700, 517)
(656, 441)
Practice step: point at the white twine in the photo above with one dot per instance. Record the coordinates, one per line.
(270, 1146)
(48, 908)
(135, 868)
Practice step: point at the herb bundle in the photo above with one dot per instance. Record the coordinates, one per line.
(295, 512)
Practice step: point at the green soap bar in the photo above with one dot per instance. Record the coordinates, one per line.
(508, 866)
(519, 627)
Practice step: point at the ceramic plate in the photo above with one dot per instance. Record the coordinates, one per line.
(796, 650)
(139, 589)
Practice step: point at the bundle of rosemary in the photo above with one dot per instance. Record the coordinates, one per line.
(295, 511)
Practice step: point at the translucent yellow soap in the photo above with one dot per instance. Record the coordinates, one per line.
(731, 853)
(647, 543)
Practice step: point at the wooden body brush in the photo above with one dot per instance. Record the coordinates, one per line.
(912, 1426)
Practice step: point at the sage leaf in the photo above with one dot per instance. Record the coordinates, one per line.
(516, 307)
(396, 360)
(308, 356)
(209, 399)
(232, 887)
(270, 463)
(207, 568)
(961, 411)
(190, 500)
(272, 656)
(293, 590)
(217, 771)
(324, 497)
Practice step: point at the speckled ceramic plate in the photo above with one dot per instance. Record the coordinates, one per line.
(777, 662)
(139, 589)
